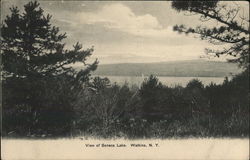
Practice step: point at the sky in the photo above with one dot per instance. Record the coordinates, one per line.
(125, 31)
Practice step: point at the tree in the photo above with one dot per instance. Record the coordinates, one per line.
(38, 76)
(31, 46)
(109, 107)
(150, 94)
(232, 28)
(194, 94)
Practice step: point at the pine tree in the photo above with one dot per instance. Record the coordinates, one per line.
(39, 83)
(231, 31)
(31, 46)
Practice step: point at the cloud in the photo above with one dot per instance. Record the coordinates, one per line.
(121, 35)
(120, 17)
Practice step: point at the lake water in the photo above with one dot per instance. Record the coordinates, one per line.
(169, 81)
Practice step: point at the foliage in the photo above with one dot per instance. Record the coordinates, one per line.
(39, 82)
(232, 29)
(44, 96)
(149, 97)
(118, 111)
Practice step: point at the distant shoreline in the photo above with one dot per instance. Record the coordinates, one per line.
(145, 76)
(170, 69)
(166, 80)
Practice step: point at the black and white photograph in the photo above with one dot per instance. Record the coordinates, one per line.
(135, 79)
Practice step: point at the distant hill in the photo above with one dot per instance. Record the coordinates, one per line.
(192, 68)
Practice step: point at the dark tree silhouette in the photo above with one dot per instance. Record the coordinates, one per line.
(150, 98)
(39, 83)
(31, 46)
(232, 28)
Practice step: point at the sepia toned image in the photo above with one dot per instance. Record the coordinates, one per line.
(124, 79)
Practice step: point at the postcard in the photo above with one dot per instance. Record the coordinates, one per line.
(124, 79)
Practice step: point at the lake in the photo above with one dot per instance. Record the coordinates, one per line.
(168, 81)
